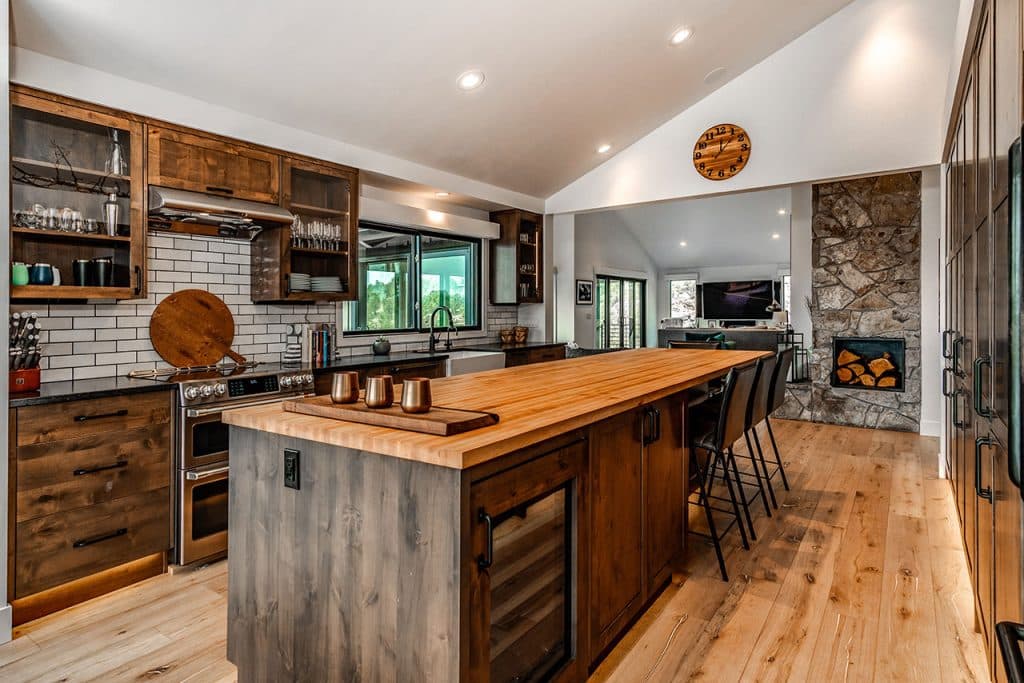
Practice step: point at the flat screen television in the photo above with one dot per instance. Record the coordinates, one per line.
(744, 300)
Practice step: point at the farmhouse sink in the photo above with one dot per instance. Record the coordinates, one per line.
(465, 362)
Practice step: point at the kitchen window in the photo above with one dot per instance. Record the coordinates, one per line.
(405, 274)
(620, 311)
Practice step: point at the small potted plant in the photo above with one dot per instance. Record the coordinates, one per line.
(381, 346)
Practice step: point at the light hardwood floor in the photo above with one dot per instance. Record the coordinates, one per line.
(860, 576)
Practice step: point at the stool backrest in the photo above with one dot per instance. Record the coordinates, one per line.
(735, 399)
(778, 388)
(674, 344)
(761, 394)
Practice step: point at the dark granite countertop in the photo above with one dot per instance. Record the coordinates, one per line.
(369, 360)
(507, 348)
(59, 392)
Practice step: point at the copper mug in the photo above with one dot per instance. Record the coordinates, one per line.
(416, 395)
(380, 392)
(345, 387)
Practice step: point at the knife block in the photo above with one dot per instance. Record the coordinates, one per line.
(23, 381)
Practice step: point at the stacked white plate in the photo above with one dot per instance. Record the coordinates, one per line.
(330, 283)
(300, 282)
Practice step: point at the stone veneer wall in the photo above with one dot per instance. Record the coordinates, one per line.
(866, 266)
(83, 341)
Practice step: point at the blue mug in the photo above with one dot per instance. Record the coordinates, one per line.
(41, 274)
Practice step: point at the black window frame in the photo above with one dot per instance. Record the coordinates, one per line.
(417, 294)
(642, 318)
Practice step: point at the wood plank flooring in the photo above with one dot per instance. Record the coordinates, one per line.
(859, 576)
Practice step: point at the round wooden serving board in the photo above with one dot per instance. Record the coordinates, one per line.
(192, 328)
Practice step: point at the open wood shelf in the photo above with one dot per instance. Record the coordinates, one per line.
(317, 296)
(71, 236)
(322, 252)
(54, 169)
(317, 210)
(69, 292)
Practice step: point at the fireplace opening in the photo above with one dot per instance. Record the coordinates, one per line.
(875, 363)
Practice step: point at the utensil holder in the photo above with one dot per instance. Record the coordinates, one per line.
(23, 381)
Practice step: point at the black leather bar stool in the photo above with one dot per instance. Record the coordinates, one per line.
(757, 411)
(714, 428)
(776, 397)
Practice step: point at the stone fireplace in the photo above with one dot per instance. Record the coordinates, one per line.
(866, 287)
(875, 363)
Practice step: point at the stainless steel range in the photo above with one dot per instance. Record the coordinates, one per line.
(202, 443)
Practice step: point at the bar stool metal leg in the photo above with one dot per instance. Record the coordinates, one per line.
(764, 468)
(702, 499)
(757, 475)
(743, 495)
(778, 458)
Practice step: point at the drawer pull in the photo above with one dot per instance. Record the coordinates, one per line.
(116, 413)
(98, 539)
(219, 190)
(102, 468)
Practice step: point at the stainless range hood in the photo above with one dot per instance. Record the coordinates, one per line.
(232, 217)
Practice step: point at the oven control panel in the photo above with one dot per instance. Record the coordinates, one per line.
(233, 388)
(248, 386)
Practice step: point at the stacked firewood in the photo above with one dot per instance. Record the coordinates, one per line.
(853, 369)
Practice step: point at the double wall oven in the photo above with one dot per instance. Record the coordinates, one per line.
(202, 445)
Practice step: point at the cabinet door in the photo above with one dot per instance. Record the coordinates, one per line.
(970, 153)
(616, 522)
(198, 163)
(1006, 561)
(527, 531)
(665, 463)
(966, 445)
(984, 124)
(1007, 91)
(1000, 341)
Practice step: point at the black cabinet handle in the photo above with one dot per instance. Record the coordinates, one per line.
(1010, 634)
(958, 345)
(486, 560)
(946, 390)
(979, 363)
(116, 413)
(102, 468)
(956, 410)
(219, 190)
(979, 443)
(947, 343)
(138, 280)
(657, 423)
(98, 539)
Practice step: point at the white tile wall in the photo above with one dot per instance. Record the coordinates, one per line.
(109, 339)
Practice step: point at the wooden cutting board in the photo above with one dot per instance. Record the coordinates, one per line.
(439, 421)
(191, 328)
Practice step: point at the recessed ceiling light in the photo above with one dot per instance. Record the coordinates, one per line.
(782, 212)
(604, 149)
(714, 76)
(471, 80)
(441, 195)
(680, 35)
(776, 235)
(682, 244)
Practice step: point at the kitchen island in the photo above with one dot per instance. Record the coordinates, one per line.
(517, 550)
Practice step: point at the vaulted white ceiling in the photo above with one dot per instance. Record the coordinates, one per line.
(562, 76)
(727, 230)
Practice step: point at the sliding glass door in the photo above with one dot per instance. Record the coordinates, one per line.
(621, 310)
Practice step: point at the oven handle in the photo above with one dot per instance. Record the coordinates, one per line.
(213, 410)
(206, 474)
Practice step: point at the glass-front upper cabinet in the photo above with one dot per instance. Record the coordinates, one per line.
(517, 258)
(77, 201)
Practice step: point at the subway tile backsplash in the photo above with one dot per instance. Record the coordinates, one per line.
(84, 341)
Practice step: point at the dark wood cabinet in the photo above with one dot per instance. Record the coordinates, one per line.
(517, 258)
(637, 475)
(986, 120)
(189, 160)
(516, 357)
(91, 498)
(399, 371)
(525, 569)
(61, 156)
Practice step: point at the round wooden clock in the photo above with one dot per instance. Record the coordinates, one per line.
(721, 151)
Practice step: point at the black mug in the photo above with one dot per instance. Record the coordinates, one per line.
(80, 271)
(102, 271)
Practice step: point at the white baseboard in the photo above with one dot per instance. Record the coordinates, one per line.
(6, 624)
(930, 428)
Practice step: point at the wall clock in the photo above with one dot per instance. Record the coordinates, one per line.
(721, 151)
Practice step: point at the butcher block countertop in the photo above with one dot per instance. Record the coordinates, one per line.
(534, 403)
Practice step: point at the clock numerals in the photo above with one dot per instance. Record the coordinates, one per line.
(730, 158)
(697, 155)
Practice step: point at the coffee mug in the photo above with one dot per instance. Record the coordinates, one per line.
(19, 274)
(380, 392)
(80, 271)
(41, 274)
(416, 395)
(56, 276)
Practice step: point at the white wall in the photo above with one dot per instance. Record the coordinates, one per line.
(800, 260)
(603, 244)
(931, 279)
(863, 92)
(563, 267)
(40, 71)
